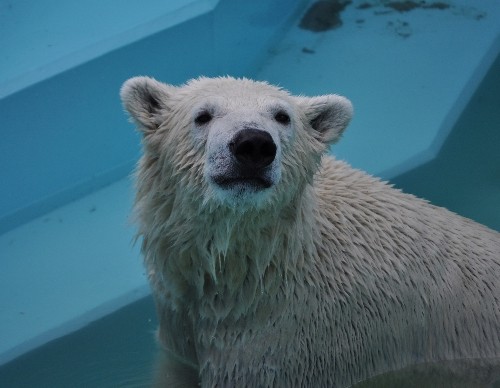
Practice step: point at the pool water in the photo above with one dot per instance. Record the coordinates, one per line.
(75, 309)
(118, 350)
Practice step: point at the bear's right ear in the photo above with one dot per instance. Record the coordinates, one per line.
(146, 101)
(328, 115)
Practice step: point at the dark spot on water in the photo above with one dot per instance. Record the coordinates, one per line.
(364, 6)
(92, 209)
(406, 6)
(402, 6)
(323, 15)
(382, 12)
(5, 6)
(400, 28)
(360, 21)
(437, 5)
(308, 50)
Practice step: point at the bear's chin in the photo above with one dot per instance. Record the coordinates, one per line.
(250, 184)
(242, 194)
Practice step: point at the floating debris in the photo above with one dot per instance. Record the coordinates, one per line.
(364, 6)
(401, 28)
(323, 15)
(308, 50)
(406, 6)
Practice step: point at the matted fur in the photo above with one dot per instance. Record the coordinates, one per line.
(329, 277)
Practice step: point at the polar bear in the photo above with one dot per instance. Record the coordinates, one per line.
(273, 264)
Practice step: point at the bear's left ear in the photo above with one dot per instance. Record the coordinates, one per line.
(146, 100)
(328, 115)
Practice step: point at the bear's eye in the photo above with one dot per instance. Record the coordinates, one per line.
(282, 117)
(203, 118)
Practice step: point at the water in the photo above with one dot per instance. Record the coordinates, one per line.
(116, 351)
(426, 118)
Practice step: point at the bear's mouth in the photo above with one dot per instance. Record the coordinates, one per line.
(254, 182)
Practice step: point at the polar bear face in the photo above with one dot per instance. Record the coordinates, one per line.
(242, 137)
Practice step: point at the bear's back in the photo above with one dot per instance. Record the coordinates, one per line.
(398, 262)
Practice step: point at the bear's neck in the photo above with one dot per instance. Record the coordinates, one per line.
(224, 262)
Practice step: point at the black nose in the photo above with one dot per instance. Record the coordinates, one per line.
(253, 148)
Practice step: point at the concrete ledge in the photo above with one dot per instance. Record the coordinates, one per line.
(68, 268)
(43, 39)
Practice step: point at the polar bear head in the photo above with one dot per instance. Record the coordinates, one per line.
(231, 142)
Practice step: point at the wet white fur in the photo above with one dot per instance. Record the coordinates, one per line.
(327, 278)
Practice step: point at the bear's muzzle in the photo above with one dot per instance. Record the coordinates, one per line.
(252, 152)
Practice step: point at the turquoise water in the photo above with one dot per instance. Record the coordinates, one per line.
(74, 304)
(116, 351)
